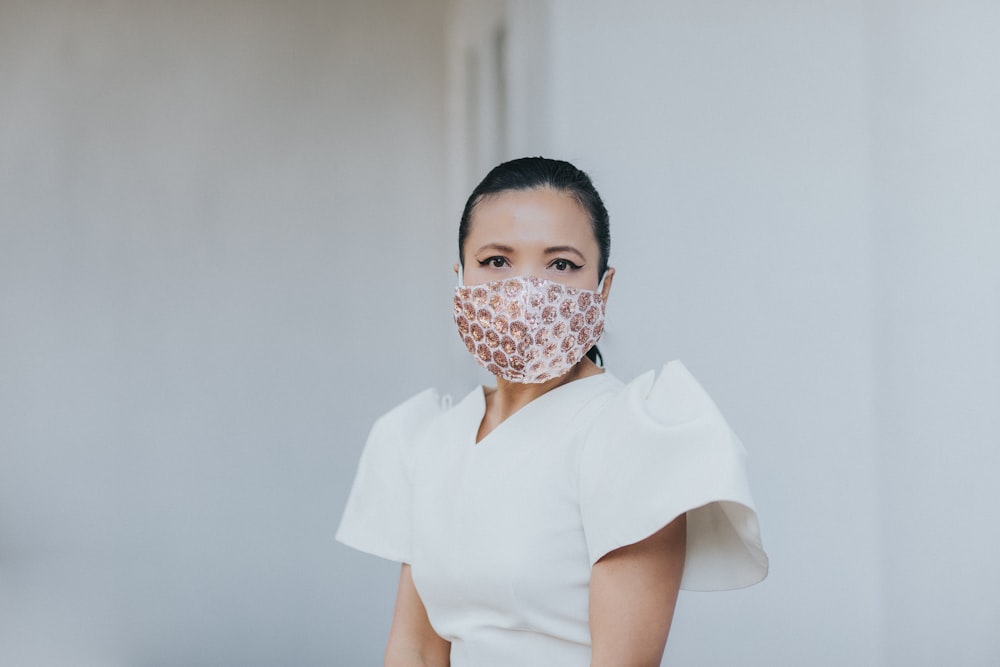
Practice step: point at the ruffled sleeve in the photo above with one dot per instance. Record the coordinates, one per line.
(660, 449)
(378, 518)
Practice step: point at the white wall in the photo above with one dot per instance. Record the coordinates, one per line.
(804, 209)
(203, 209)
(213, 254)
(936, 223)
(729, 142)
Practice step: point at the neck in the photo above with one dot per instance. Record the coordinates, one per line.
(509, 397)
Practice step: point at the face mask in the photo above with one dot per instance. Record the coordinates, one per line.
(527, 329)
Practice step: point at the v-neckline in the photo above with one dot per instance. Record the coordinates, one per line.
(480, 411)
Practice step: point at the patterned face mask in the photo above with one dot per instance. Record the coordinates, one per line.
(527, 329)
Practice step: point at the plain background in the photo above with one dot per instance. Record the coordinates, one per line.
(226, 237)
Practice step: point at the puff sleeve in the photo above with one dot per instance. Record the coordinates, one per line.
(377, 518)
(661, 449)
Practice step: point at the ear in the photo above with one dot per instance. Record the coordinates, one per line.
(609, 276)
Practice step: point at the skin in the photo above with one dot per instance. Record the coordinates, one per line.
(633, 590)
(412, 640)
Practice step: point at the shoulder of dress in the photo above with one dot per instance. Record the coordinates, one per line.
(669, 398)
(661, 449)
(414, 414)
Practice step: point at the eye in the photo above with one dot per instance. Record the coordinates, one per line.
(564, 265)
(496, 262)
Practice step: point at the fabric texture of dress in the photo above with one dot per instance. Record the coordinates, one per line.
(501, 534)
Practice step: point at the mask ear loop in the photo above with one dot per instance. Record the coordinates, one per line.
(599, 358)
(600, 283)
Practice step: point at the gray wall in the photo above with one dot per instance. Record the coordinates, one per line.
(936, 234)
(806, 210)
(737, 181)
(222, 225)
(213, 253)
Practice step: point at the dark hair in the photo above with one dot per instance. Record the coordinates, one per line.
(529, 173)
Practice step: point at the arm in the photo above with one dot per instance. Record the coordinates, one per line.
(412, 640)
(633, 591)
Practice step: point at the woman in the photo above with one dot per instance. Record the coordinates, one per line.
(552, 519)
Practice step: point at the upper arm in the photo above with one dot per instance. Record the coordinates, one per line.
(633, 591)
(412, 640)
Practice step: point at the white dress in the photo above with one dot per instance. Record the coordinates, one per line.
(501, 535)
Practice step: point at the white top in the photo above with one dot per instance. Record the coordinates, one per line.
(501, 535)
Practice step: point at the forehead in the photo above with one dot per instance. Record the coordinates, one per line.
(541, 214)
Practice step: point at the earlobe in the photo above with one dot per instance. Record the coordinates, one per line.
(455, 268)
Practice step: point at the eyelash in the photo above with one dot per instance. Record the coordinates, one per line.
(569, 266)
(490, 260)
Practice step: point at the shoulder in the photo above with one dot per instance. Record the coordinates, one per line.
(669, 398)
(412, 415)
(669, 413)
(376, 518)
(661, 448)
(393, 434)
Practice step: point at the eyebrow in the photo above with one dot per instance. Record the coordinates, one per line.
(564, 248)
(553, 250)
(496, 246)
